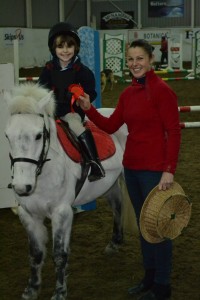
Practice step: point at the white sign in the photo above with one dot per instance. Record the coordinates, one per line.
(11, 34)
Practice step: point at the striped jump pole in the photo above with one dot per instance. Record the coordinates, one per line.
(28, 78)
(178, 78)
(169, 79)
(193, 108)
(165, 71)
(179, 71)
(189, 108)
(189, 125)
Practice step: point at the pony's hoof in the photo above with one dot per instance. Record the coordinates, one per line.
(59, 297)
(111, 248)
(30, 294)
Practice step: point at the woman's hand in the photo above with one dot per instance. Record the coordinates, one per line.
(166, 181)
(84, 102)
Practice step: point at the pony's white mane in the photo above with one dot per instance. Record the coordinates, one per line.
(25, 98)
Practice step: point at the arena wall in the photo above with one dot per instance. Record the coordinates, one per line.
(33, 50)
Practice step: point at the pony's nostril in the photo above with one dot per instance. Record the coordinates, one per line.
(9, 186)
(28, 188)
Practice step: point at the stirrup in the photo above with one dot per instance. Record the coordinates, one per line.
(97, 172)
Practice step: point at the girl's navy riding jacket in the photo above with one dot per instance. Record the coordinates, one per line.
(57, 79)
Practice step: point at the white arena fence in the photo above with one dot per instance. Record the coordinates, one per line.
(182, 109)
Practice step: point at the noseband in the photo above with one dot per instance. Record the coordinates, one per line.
(42, 159)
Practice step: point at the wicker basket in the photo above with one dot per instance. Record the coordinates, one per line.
(164, 214)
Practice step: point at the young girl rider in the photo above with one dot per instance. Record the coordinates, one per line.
(58, 75)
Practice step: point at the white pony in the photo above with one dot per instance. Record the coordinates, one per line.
(44, 180)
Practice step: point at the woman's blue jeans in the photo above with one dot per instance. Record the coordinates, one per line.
(155, 256)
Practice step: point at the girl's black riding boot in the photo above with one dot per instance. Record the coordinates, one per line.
(91, 155)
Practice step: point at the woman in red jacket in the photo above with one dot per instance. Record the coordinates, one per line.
(150, 110)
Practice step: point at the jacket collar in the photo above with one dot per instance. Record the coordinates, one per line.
(75, 60)
(142, 81)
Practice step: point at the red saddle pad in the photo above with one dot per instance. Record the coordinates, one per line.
(104, 143)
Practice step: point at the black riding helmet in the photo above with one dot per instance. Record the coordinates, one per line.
(62, 28)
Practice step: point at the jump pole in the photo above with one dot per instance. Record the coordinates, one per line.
(165, 71)
(194, 108)
(189, 125)
(178, 78)
(189, 108)
(28, 78)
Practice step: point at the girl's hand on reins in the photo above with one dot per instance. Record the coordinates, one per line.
(84, 102)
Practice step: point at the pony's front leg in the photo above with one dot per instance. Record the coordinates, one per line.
(37, 236)
(62, 219)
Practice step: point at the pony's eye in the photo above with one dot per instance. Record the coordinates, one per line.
(7, 137)
(38, 136)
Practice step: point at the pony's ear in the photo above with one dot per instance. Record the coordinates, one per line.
(44, 102)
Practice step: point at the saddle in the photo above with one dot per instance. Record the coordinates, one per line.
(68, 140)
(104, 144)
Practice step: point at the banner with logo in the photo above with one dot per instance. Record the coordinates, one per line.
(117, 20)
(11, 34)
(167, 8)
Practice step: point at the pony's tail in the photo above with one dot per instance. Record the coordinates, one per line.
(128, 214)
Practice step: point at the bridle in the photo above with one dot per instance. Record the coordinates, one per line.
(42, 158)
